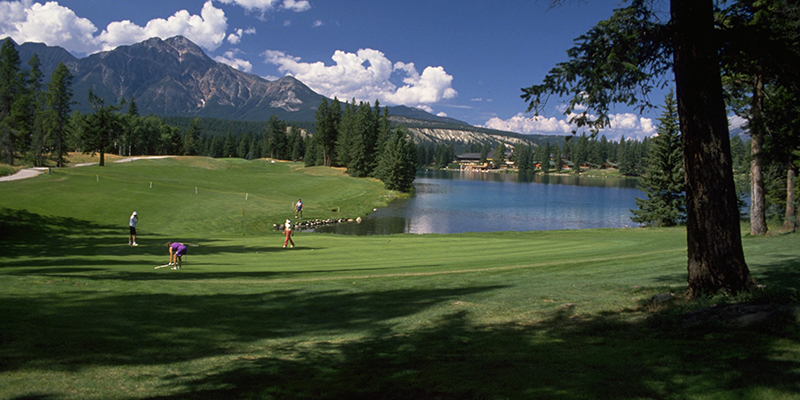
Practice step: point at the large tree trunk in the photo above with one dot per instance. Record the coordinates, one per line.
(715, 256)
(758, 214)
(790, 218)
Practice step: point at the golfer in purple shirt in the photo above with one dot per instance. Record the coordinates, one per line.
(176, 252)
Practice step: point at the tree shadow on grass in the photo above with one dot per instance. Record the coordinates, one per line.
(558, 358)
(77, 330)
(336, 344)
(23, 233)
(784, 270)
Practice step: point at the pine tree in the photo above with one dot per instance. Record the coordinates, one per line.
(313, 155)
(32, 140)
(397, 166)
(131, 123)
(538, 156)
(499, 155)
(362, 152)
(384, 129)
(557, 161)
(101, 128)
(522, 158)
(485, 153)
(229, 145)
(603, 149)
(276, 138)
(596, 153)
(545, 166)
(297, 143)
(191, 138)
(581, 153)
(625, 155)
(10, 87)
(328, 117)
(347, 132)
(664, 179)
(243, 147)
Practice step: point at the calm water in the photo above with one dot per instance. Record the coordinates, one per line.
(455, 202)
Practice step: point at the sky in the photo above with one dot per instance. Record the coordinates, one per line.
(463, 59)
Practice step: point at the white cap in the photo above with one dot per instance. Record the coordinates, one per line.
(134, 213)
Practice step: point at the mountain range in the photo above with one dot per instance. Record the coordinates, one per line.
(174, 77)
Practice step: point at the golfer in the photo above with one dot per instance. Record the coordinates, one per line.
(176, 252)
(298, 208)
(287, 229)
(132, 224)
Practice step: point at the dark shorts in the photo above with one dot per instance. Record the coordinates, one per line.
(133, 230)
(181, 251)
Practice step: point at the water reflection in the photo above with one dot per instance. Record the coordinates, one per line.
(454, 202)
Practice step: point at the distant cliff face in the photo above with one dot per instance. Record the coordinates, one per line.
(462, 136)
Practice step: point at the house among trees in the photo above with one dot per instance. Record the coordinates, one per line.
(472, 162)
(481, 162)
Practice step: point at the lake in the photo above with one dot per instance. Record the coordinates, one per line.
(456, 202)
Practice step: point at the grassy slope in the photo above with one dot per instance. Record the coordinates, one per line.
(194, 196)
(498, 315)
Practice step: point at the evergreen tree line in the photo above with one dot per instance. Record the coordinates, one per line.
(663, 180)
(34, 116)
(584, 152)
(37, 125)
(360, 138)
(150, 135)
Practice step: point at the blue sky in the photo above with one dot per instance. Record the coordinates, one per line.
(464, 59)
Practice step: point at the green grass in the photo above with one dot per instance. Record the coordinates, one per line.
(602, 173)
(504, 315)
(197, 196)
(6, 170)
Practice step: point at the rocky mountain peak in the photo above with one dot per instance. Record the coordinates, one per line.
(174, 77)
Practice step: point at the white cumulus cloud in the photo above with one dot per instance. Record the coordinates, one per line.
(266, 5)
(365, 76)
(535, 125)
(629, 125)
(49, 23)
(236, 36)
(206, 30)
(623, 124)
(56, 25)
(229, 57)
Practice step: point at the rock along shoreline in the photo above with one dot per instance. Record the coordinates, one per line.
(311, 224)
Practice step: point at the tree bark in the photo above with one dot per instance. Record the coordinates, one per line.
(790, 218)
(715, 256)
(758, 214)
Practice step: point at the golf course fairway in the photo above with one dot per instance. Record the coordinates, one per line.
(501, 315)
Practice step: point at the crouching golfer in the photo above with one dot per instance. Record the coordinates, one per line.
(287, 229)
(176, 253)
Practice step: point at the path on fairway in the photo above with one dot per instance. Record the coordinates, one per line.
(31, 172)
(24, 174)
